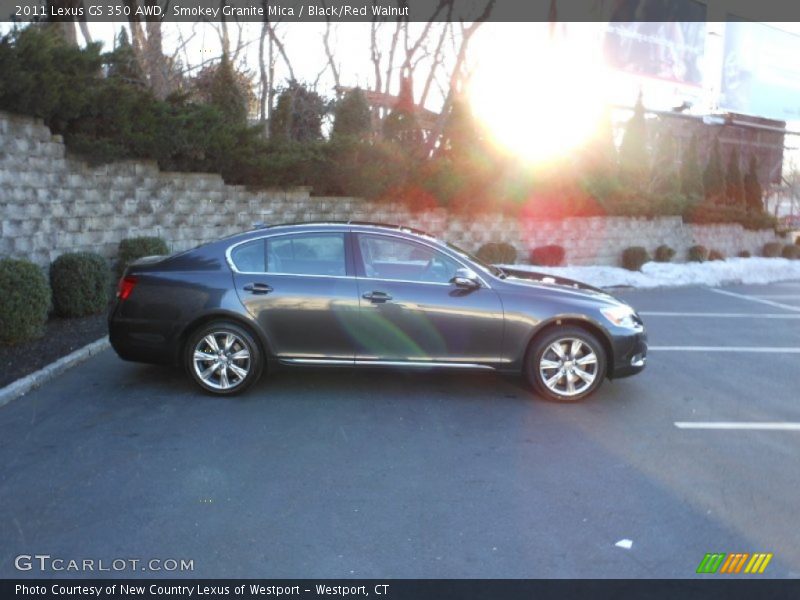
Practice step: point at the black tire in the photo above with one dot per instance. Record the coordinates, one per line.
(243, 341)
(542, 348)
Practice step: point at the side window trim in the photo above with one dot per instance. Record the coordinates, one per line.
(349, 261)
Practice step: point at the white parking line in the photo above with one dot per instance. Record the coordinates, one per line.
(777, 296)
(760, 349)
(720, 315)
(753, 425)
(753, 299)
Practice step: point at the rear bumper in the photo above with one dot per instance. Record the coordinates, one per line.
(138, 340)
(630, 354)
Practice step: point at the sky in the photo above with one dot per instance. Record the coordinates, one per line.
(561, 82)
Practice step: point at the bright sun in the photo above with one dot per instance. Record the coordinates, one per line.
(538, 98)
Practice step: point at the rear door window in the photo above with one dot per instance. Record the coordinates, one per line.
(307, 254)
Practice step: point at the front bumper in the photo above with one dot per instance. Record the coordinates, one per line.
(630, 354)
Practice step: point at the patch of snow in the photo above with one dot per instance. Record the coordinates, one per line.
(655, 275)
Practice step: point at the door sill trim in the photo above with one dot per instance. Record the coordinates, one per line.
(384, 363)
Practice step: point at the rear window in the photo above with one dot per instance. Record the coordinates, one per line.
(249, 257)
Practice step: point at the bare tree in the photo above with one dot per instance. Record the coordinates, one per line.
(270, 47)
(458, 71)
(326, 43)
(63, 25)
(147, 42)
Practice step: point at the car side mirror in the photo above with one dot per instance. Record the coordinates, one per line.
(466, 278)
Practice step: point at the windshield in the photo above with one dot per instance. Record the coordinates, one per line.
(496, 271)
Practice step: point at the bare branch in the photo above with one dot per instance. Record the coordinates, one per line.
(375, 53)
(278, 44)
(392, 50)
(437, 57)
(328, 52)
(455, 76)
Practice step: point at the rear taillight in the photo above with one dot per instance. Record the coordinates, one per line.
(125, 287)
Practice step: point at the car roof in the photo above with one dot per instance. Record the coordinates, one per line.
(353, 225)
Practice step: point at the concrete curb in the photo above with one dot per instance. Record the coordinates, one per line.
(25, 384)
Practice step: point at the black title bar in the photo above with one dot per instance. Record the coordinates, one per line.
(403, 589)
(394, 10)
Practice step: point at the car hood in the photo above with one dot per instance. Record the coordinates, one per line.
(525, 278)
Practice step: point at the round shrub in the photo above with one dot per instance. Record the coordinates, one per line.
(634, 257)
(137, 247)
(716, 255)
(497, 253)
(24, 301)
(744, 254)
(547, 256)
(772, 249)
(698, 253)
(791, 251)
(664, 253)
(80, 284)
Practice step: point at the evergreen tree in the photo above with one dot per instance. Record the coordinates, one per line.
(227, 94)
(298, 114)
(691, 177)
(352, 116)
(753, 192)
(461, 134)
(733, 181)
(599, 156)
(226, 89)
(401, 125)
(633, 155)
(714, 176)
(664, 177)
(122, 62)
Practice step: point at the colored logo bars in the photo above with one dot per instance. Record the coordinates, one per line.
(735, 563)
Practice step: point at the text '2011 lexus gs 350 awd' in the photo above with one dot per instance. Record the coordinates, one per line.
(366, 295)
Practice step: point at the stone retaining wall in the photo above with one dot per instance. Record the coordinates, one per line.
(51, 203)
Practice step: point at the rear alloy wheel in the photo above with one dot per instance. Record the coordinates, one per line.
(223, 358)
(566, 364)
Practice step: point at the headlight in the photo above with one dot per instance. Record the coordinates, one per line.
(622, 316)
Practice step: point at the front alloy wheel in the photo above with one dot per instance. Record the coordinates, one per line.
(223, 358)
(566, 365)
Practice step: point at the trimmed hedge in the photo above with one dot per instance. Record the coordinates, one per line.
(716, 255)
(744, 254)
(634, 257)
(80, 284)
(664, 253)
(698, 254)
(791, 251)
(547, 256)
(24, 301)
(497, 253)
(772, 249)
(131, 249)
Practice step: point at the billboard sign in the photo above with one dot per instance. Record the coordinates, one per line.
(662, 40)
(761, 73)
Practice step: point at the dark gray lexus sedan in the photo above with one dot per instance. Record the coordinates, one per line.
(371, 295)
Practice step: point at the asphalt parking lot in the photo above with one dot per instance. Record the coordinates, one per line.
(387, 474)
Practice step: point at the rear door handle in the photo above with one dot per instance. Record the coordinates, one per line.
(377, 297)
(258, 288)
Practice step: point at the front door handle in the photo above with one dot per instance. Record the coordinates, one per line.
(258, 288)
(377, 297)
